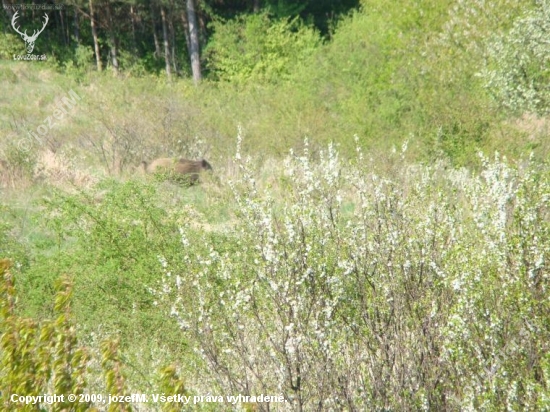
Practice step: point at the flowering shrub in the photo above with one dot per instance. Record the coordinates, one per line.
(418, 289)
(518, 75)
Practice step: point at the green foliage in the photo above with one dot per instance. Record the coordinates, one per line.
(285, 8)
(82, 62)
(10, 44)
(389, 74)
(118, 235)
(10, 246)
(258, 49)
(518, 74)
(39, 358)
(112, 365)
(390, 71)
(171, 383)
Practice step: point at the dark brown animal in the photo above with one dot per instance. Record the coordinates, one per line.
(181, 169)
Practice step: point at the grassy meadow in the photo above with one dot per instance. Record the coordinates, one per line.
(374, 234)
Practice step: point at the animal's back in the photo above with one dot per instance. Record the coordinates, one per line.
(184, 168)
(163, 164)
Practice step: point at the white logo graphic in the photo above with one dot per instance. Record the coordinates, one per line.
(29, 40)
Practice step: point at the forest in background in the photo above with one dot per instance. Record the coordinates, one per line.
(152, 36)
(374, 234)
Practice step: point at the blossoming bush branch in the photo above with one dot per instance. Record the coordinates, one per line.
(346, 286)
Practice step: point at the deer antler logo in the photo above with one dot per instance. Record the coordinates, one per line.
(29, 40)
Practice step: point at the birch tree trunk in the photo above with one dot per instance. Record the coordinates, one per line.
(94, 35)
(112, 39)
(166, 43)
(193, 41)
(155, 37)
(173, 44)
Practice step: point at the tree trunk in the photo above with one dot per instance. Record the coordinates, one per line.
(173, 41)
(133, 20)
(76, 28)
(94, 35)
(193, 41)
(185, 30)
(112, 39)
(166, 43)
(63, 29)
(256, 6)
(155, 37)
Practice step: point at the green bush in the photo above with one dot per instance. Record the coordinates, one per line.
(46, 357)
(10, 246)
(258, 49)
(81, 63)
(115, 238)
(10, 44)
(39, 358)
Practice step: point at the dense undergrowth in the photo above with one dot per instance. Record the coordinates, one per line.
(340, 286)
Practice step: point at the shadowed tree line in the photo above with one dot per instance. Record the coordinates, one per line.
(154, 34)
